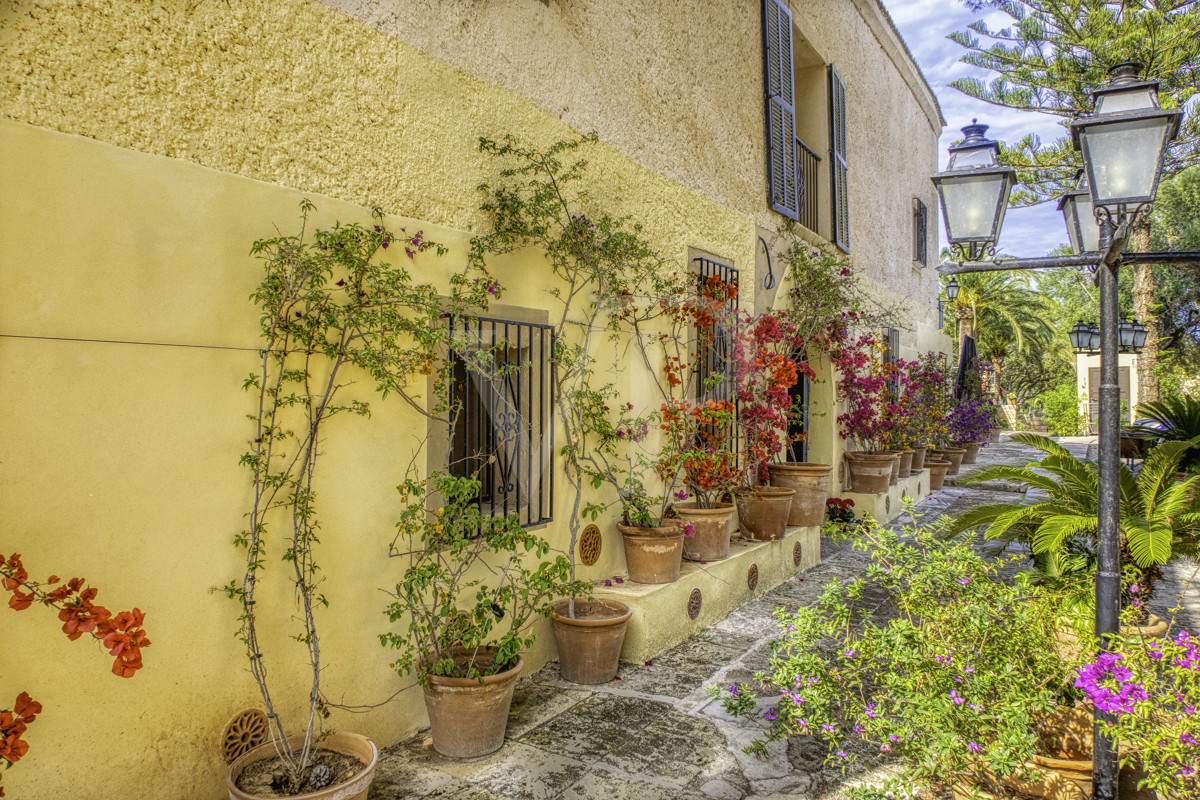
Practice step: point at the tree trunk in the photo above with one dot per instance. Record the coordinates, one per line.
(996, 363)
(966, 321)
(1143, 311)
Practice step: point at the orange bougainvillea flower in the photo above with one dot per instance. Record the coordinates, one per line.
(26, 707)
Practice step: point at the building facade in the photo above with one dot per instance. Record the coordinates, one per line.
(144, 146)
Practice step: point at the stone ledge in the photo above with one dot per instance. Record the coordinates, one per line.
(660, 611)
(888, 505)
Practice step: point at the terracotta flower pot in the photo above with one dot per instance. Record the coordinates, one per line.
(937, 473)
(468, 719)
(918, 459)
(653, 555)
(811, 483)
(952, 454)
(763, 512)
(589, 644)
(869, 472)
(972, 451)
(894, 477)
(710, 531)
(994, 435)
(906, 459)
(350, 744)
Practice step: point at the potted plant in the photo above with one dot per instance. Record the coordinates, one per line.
(473, 585)
(970, 423)
(329, 307)
(956, 686)
(863, 385)
(925, 391)
(608, 278)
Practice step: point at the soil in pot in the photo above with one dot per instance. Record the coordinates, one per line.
(869, 472)
(467, 719)
(710, 531)
(653, 555)
(811, 483)
(589, 644)
(763, 512)
(937, 473)
(351, 760)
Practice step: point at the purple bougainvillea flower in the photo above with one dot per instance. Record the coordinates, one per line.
(1109, 685)
(828, 728)
(769, 714)
(958, 701)
(733, 690)
(618, 579)
(974, 747)
(963, 581)
(648, 664)
(341, 282)
(608, 583)
(842, 754)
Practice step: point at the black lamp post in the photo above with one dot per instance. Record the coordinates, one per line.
(1123, 144)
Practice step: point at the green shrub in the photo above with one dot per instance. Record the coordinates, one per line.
(1060, 407)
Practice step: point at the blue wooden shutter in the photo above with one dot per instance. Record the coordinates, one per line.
(837, 144)
(781, 111)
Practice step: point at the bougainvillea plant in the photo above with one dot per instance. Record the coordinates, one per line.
(928, 400)
(766, 369)
(972, 421)
(332, 309)
(864, 384)
(697, 450)
(121, 633)
(1151, 688)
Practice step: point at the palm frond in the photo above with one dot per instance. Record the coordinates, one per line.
(1053, 530)
(1149, 540)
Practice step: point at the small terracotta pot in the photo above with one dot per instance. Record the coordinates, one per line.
(906, 458)
(972, 451)
(467, 719)
(918, 459)
(994, 435)
(763, 512)
(710, 531)
(869, 472)
(350, 744)
(653, 555)
(952, 454)
(937, 473)
(811, 483)
(589, 644)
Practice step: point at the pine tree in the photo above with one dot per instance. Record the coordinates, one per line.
(1050, 59)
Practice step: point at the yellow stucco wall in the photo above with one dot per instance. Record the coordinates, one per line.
(143, 147)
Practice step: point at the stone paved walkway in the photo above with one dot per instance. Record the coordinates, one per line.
(655, 734)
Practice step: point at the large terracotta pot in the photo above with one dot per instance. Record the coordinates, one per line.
(918, 459)
(811, 483)
(937, 473)
(869, 472)
(350, 744)
(710, 531)
(952, 454)
(972, 451)
(763, 512)
(589, 644)
(894, 477)
(906, 458)
(653, 555)
(468, 719)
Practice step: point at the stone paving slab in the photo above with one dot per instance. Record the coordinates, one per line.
(655, 734)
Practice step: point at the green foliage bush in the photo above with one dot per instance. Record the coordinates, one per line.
(1060, 407)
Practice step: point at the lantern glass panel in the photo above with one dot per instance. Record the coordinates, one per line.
(1123, 158)
(975, 157)
(1070, 210)
(1112, 102)
(1125, 332)
(1089, 231)
(1093, 338)
(971, 203)
(1139, 336)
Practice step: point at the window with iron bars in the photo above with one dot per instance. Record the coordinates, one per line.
(891, 356)
(501, 408)
(715, 378)
(920, 232)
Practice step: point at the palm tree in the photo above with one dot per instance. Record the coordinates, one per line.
(1004, 315)
(1160, 517)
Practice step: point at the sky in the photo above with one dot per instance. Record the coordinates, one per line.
(925, 24)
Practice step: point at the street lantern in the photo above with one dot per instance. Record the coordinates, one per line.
(952, 289)
(974, 191)
(1125, 332)
(1076, 206)
(1081, 337)
(1139, 335)
(1124, 141)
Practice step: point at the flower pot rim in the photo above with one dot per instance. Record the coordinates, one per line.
(800, 466)
(645, 532)
(448, 681)
(621, 614)
(934, 462)
(950, 449)
(765, 491)
(267, 749)
(716, 510)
